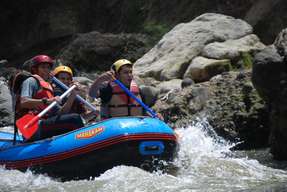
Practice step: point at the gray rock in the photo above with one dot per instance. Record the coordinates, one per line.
(202, 69)
(150, 94)
(231, 49)
(166, 86)
(3, 62)
(231, 104)
(83, 80)
(186, 82)
(281, 43)
(171, 56)
(6, 109)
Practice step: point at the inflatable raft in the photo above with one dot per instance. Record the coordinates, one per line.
(89, 151)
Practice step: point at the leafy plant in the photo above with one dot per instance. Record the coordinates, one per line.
(247, 60)
(155, 31)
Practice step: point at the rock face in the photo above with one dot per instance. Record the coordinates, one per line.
(6, 109)
(28, 26)
(95, 51)
(32, 27)
(270, 79)
(229, 101)
(208, 35)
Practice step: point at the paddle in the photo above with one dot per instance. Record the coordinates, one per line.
(28, 124)
(123, 87)
(65, 87)
(78, 97)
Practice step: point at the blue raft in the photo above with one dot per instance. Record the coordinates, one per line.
(89, 151)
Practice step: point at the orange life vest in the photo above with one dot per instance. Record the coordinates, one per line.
(123, 105)
(45, 91)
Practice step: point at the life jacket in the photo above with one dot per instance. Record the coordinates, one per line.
(123, 105)
(45, 91)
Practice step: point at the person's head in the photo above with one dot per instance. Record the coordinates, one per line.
(41, 65)
(64, 74)
(123, 70)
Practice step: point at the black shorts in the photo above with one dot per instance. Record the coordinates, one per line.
(57, 125)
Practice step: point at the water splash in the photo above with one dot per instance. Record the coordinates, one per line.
(9, 129)
(204, 163)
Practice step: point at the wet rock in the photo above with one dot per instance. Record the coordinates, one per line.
(270, 77)
(231, 105)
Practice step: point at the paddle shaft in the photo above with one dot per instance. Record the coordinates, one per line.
(78, 97)
(65, 87)
(123, 87)
(37, 117)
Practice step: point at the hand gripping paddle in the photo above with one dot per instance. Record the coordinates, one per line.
(28, 124)
(123, 87)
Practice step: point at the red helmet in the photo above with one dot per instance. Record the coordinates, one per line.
(41, 59)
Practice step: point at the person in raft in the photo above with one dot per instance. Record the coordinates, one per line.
(114, 101)
(65, 75)
(37, 93)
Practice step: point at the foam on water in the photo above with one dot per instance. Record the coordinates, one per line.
(206, 160)
(204, 163)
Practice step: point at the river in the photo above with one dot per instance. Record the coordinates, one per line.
(204, 163)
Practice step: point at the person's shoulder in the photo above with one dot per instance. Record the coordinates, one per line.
(106, 93)
(104, 87)
(31, 80)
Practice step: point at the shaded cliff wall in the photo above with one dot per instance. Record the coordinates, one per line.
(32, 26)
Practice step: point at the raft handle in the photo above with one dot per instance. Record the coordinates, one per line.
(151, 148)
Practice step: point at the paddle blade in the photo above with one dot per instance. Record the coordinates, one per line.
(28, 125)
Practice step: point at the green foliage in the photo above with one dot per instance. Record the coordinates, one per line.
(155, 31)
(133, 15)
(247, 60)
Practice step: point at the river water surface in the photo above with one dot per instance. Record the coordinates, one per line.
(204, 163)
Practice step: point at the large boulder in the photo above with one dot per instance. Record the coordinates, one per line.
(202, 69)
(229, 102)
(171, 56)
(270, 79)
